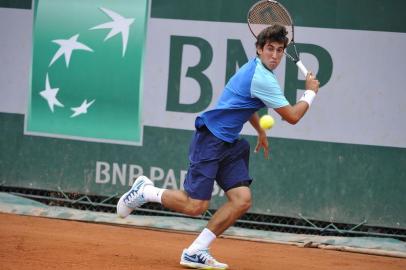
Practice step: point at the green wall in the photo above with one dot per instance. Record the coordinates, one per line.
(326, 181)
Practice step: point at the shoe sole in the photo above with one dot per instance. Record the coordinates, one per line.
(127, 210)
(200, 266)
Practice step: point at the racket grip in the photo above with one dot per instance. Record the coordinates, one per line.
(302, 68)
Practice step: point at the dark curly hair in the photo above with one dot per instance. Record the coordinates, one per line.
(272, 33)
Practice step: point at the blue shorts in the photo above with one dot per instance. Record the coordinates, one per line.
(212, 159)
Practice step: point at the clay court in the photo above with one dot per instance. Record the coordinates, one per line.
(42, 243)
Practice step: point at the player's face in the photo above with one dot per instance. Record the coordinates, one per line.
(271, 54)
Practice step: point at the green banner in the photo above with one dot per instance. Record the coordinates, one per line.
(87, 69)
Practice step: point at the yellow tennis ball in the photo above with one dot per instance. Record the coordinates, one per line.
(266, 121)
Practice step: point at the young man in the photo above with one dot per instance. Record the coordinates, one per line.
(218, 154)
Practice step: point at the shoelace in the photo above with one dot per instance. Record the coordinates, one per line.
(130, 197)
(207, 256)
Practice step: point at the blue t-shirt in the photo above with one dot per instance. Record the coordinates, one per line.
(251, 88)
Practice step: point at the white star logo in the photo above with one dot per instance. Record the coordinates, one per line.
(82, 108)
(67, 46)
(118, 25)
(49, 94)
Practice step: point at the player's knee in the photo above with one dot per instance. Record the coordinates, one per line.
(240, 198)
(243, 204)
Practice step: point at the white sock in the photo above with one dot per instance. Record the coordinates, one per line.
(153, 194)
(202, 241)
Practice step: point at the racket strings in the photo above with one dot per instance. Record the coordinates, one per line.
(268, 13)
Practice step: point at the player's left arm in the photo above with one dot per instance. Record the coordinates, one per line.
(262, 141)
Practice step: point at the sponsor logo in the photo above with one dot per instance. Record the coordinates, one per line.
(86, 75)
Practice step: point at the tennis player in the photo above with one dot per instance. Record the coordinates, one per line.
(218, 154)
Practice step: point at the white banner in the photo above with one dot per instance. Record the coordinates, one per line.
(362, 103)
(15, 59)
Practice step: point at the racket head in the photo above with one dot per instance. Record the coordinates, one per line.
(267, 13)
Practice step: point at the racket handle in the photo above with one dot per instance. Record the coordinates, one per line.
(302, 68)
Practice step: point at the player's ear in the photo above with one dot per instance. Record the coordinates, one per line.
(259, 50)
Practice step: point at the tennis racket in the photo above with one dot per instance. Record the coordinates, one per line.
(267, 13)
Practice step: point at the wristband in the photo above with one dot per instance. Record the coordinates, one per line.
(308, 97)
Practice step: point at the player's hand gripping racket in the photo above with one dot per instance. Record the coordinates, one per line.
(269, 12)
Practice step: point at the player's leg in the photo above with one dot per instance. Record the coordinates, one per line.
(144, 191)
(205, 161)
(197, 254)
(239, 201)
(233, 177)
(193, 201)
(197, 185)
(180, 201)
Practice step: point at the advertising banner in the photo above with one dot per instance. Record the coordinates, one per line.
(87, 72)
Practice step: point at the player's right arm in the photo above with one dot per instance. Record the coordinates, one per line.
(262, 141)
(292, 114)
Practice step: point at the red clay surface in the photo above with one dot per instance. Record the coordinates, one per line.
(42, 243)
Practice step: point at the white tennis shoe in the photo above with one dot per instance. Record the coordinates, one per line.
(133, 198)
(201, 259)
